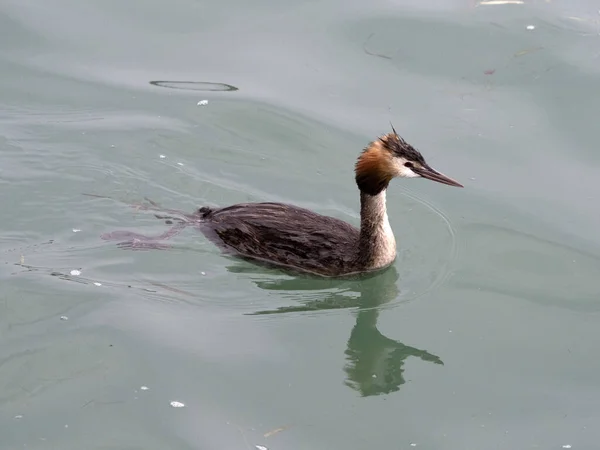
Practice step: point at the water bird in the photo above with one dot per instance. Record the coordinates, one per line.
(285, 235)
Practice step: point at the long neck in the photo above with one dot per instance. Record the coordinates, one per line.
(377, 245)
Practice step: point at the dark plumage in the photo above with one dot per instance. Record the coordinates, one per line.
(290, 235)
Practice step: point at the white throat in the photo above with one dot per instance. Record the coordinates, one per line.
(378, 244)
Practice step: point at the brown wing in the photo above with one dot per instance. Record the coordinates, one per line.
(285, 234)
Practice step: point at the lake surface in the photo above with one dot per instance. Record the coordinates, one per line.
(483, 334)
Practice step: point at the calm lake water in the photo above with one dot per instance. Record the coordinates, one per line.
(483, 335)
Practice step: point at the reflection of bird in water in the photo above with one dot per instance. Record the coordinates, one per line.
(374, 362)
(302, 240)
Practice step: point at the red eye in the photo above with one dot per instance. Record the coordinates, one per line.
(409, 165)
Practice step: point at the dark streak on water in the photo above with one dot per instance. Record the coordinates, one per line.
(194, 85)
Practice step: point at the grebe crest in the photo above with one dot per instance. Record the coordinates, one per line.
(389, 157)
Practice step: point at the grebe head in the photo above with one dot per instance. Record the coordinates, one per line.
(389, 157)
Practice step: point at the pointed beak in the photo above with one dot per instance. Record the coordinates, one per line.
(434, 175)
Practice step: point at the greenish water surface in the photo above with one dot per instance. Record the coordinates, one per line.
(484, 333)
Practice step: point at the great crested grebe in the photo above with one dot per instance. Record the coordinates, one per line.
(300, 239)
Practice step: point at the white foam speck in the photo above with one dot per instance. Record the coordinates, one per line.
(531, 27)
(97, 284)
(202, 273)
(19, 416)
(162, 156)
(202, 103)
(75, 272)
(413, 445)
(176, 404)
(144, 388)
(566, 446)
(76, 230)
(180, 164)
(260, 447)
(64, 318)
